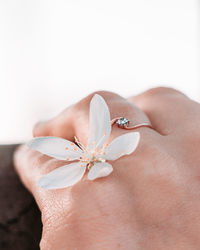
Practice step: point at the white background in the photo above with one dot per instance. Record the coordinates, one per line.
(54, 52)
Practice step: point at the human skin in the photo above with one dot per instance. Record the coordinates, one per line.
(151, 201)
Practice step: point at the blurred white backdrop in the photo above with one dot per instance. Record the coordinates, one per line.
(54, 52)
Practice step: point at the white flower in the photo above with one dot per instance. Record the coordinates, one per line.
(93, 157)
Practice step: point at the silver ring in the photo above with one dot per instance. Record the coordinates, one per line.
(123, 123)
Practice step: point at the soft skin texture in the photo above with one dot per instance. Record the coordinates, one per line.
(150, 201)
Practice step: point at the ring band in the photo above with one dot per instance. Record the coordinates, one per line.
(123, 122)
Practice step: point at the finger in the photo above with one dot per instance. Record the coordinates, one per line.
(31, 166)
(75, 119)
(57, 126)
(43, 128)
(118, 107)
(168, 109)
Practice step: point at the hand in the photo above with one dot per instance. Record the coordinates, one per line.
(150, 201)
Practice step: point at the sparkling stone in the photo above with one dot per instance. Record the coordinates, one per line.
(122, 122)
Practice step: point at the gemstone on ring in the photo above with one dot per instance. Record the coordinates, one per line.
(122, 121)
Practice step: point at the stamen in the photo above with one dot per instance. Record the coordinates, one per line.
(103, 148)
(89, 165)
(80, 144)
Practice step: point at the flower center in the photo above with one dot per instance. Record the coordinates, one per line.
(90, 161)
(89, 157)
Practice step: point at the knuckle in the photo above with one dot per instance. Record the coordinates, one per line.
(42, 128)
(107, 95)
(103, 93)
(36, 130)
(28, 155)
(161, 91)
(86, 101)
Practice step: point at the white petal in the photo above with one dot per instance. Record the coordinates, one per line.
(100, 124)
(122, 145)
(63, 177)
(99, 170)
(56, 147)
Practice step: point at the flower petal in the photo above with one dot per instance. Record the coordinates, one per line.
(100, 124)
(122, 145)
(55, 147)
(100, 170)
(63, 177)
